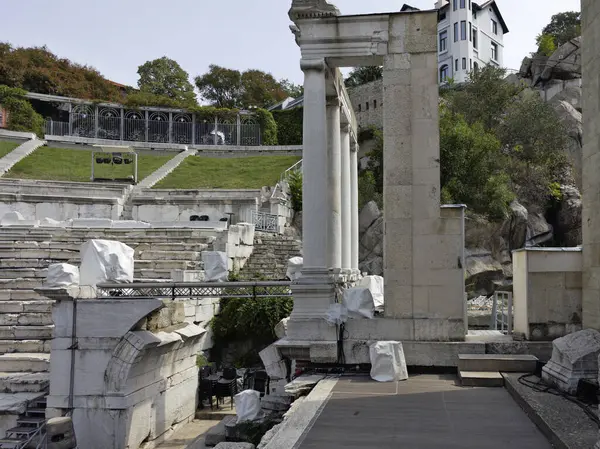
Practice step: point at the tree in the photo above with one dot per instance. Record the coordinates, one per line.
(260, 89)
(563, 27)
(291, 89)
(363, 75)
(165, 77)
(546, 44)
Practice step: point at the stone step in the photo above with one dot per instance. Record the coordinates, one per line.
(26, 332)
(152, 274)
(20, 295)
(16, 306)
(183, 246)
(25, 273)
(25, 319)
(17, 403)
(37, 253)
(15, 382)
(25, 362)
(508, 363)
(20, 283)
(169, 255)
(10, 346)
(31, 244)
(481, 378)
(24, 263)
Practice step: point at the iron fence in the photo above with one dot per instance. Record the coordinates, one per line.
(190, 290)
(502, 312)
(265, 222)
(157, 128)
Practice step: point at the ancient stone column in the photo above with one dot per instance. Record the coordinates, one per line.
(354, 207)
(334, 182)
(346, 201)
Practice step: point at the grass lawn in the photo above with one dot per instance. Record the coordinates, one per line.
(197, 172)
(62, 164)
(6, 146)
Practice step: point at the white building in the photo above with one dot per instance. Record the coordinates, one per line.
(470, 35)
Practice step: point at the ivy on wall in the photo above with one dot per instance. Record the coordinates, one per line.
(268, 127)
(21, 115)
(289, 126)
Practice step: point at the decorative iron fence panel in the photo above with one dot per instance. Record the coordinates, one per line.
(54, 128)
(265, 222)
(173, 291)
(502, 312)
(109, 128)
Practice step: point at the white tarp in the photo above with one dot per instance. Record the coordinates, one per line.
(375, 285)
(247, 405)
(216, 266)
(336, 314)
(294, 268)
(387, 361)
(105, 261)
(61, 275)
(359, 302)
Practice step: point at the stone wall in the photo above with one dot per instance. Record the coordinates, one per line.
(370, 94)
(135, 374)
(547, 292)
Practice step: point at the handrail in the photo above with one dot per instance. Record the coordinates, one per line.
(292, 168)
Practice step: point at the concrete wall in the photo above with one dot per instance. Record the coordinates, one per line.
(591, 160)
(547, 294)
(135, 370)
(179, 205)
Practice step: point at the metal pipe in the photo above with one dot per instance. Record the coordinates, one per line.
(73, 348)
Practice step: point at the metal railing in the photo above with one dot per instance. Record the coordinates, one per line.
(502, 312)
(297, 167)
(38, 438)
(189, 290)
(157, 131)
(265, 222)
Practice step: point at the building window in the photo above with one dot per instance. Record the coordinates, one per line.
(470, 64)
(374, 104)
(475, 43)
(443, 73)
(442, 16)
(456, 65)
(462, 4)
(464, 63)
(494, 27)
(367, 106)
(454, 4)
(443, 41)
(456, 32)
(463, 30)
(360, 108)
(470, 32)
(494, 51)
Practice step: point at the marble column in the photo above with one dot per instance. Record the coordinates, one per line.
(346, 202)
(334, 182)
(354, 207)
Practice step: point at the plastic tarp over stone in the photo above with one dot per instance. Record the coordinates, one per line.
(215, 266)
(105, 261)
(358, 301)
(294, 268)
(247, 405)
(387, 361)
(375, 286)
(61, 275)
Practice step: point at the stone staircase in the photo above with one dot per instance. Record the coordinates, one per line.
(26, 325)
(484, 370)
(26, 426)
(270, 257)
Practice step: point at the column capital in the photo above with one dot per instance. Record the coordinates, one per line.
(317, 65)
(334, 102)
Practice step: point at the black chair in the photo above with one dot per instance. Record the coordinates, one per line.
(261, 382)
(205, 388)
(227, 385)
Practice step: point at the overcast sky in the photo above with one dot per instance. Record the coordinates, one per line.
(116, 36)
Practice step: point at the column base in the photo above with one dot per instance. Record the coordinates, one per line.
(313, 293)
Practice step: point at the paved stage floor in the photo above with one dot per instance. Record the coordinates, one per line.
(424, 412)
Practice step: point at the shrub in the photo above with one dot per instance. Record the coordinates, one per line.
(21, 115)
(289, 126)
(268, 126)
(294, 180)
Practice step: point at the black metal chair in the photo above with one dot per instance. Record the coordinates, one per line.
(227, 385)
(205, 387)
(261, 382)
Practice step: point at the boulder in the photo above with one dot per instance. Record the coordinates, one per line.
(525, 70)
(565, 62)
(514, 228)
(568, 217)
(372, 266)
(571, 95)
(483, 272)
(537, 68)
(371, 242)
(538, 229)
(572, 121)
(574, 357)
(369, 213)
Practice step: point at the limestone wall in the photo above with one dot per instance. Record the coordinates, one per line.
(547, 293)
(370, 94)
(135, 370)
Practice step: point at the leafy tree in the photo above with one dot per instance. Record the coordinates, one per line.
(220, 86)
(363, 75)
(21, 115)
(260, 89)
(291, 89)
(563, 27)
(165, 77)
(546, 44)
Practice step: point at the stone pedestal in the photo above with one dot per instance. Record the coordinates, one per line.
(574, 357)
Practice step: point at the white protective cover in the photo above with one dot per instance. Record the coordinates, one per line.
(247, 405)
(11, 218)
(294, 268)
(375, 285)
(61, 275)
(105, 261)
(216, 266)
(359, 302)
(387, 361)
(336, 314)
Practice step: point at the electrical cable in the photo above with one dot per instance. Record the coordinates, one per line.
(542, 387)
